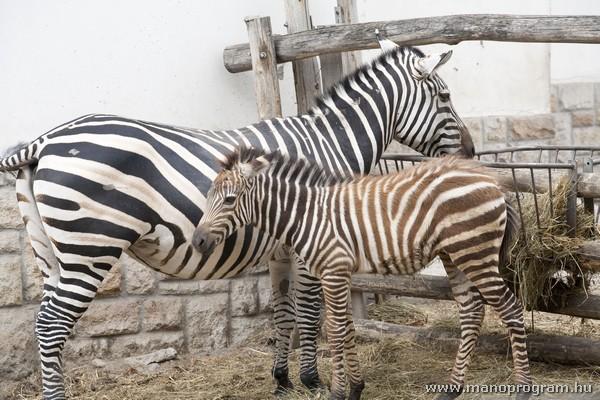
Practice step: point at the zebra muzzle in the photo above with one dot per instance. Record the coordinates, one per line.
(203, 240)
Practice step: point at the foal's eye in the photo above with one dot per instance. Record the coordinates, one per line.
(444, 96)
(229, 200)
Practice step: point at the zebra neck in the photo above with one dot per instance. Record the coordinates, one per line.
(346, 132)
(288, 211)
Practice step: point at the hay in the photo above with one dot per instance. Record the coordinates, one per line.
(543, 263)
(393, 370)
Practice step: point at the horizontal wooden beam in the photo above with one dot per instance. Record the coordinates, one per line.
(438, 287)
(450, 29)
(548, 348)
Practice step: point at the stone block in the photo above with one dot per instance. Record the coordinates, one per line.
(474, 127)
(575, 96)
(112, 282)
(9, 241)
(206, 318)
(265, 294)
(586, 136)
(495, 129)
(597, 102)
(162, 313)
(193, 286)
(18, 345)
(10, 217)
(11, 289)
(77, 349)
(583, 118)
(139, 278)
(107, 317)
(244, 328)
(142, 343)
(32, 277)
(244, 296)
(533, 127)
(562, 129)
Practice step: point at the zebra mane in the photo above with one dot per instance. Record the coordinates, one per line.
(298, 170)
(352, 76)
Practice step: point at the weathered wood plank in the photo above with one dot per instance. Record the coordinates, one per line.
(450, 29)
(548, 348)
(438, 288)
(266, 84)
(307, 78)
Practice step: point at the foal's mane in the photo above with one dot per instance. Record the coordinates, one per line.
(299, 170)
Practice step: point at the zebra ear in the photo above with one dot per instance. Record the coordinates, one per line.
(385, 43)
(254, 167)
(426, 65)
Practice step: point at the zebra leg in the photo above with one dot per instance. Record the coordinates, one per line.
(496, 293)
(357, 384)
(284, 316)
(81, 275)
(471, 311)
(308, 316)
(336, 291)
(41, 245)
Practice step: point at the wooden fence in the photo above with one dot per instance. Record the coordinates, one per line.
(332, 43)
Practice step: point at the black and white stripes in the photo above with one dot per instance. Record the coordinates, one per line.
(101, 185)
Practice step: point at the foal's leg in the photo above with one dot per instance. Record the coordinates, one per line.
(471, 311)
(357, 384)
(308, 316)
(336, 291)
(284, 314)
(497, 294)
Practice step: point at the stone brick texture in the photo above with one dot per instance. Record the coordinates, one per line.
(139, 310)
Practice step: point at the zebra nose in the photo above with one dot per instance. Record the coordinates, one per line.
(201, 239)
(467, 146)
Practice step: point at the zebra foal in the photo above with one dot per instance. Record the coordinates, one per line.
(392, 224)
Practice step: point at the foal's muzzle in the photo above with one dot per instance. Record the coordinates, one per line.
(204, 241)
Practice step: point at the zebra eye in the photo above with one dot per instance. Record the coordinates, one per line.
(229, 200)
(444, 96)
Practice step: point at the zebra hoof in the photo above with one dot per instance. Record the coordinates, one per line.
(356, 390)
(312, 382)
(284, 385)
(283, 390)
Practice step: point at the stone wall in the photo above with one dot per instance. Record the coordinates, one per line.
(139, 310)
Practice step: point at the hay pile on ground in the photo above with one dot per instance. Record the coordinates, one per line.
(544, 262)
(393, 369)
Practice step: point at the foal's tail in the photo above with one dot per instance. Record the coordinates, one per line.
(511, 231)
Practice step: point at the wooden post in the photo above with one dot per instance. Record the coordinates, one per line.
(306, 72)
(346, 13)
(331, 69)
(262, 51)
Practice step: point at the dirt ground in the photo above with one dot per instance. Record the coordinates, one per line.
(393, 369)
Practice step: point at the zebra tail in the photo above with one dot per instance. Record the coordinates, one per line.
(19, 155)
(511, 230)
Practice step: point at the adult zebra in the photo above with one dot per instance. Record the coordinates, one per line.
(392, 224)
(102, 185)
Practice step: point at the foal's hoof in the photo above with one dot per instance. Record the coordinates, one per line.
(356, 390)
(283, 390)
(522, 396)
(448, 395)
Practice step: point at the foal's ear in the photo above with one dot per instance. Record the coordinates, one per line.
(255, 167)
(384, 43)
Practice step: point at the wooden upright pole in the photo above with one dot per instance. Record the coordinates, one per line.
(307, 78)
(346, 13)
(264, 67)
